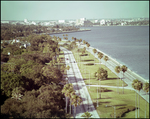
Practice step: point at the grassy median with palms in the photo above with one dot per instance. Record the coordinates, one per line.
(109, 96)
(122, 102)
(112, 79)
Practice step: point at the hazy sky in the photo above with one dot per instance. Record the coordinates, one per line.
(55, 10)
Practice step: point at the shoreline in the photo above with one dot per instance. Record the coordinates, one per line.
(132, 73)
(70, 31)
(137, 76)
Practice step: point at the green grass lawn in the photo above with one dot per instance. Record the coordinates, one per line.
(113, 79)
(111, 97)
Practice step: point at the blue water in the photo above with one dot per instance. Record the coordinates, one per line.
(129, 45)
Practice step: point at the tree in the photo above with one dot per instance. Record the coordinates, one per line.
(100, 75)
(71, 93)
(137, 85)
(124, 69)
(9, 81)
(84, 41)
(66, 91)
(58, 60)
(117, 70)
(75, 100)
(100, 56)
(146, 89)
(94, 51)
(105, 58)
(87, 115)
(68, 67)
(72, 38)
(17, 93)
(88, 45)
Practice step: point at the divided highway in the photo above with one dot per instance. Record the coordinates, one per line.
(75, 77)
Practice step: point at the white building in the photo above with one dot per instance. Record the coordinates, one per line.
(80, 21)
(25, 20)
(96, 21)
(61, 21)
(4, 21)
(33, 23)
(102, 22)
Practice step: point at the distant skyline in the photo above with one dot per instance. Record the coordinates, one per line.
(63, 10)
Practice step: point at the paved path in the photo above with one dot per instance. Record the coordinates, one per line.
(129, 76)
(75, 77)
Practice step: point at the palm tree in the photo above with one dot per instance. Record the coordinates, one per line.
(58, 60)
(117, 70)
(54, 61)
(72, 38)
(105, 58)
(94, 51)
(146, 89)
(88, 45)
(70, 96)
(68, 67)
(124, 69)
(100, 55)
(51, 63)
(83, 52)
(84, 41)
(66, 91)
(87, 115)
(80, 40)
(137, 85)
(16, 93)
(99, 75)
(75, 100)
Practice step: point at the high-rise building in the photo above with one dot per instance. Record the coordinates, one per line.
(25, 20)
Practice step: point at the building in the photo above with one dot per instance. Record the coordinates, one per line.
(61, 21)
(4, 21)
(80, 21)
(102, 22)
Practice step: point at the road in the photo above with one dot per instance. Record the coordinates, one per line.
(129, 76)
(75, 77)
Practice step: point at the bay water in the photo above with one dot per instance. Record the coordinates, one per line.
(129, 45)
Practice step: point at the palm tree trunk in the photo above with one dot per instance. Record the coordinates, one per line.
(94, 59)
(135, 105)
(100, 88)
(97, 96)
(74, 111)
(139, 106)
(70, 106)
(145, 107)
(66, 104)
(123, 83)
(118, 87)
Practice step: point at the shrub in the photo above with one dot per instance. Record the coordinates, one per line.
(121, 111)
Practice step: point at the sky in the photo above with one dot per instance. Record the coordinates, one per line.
(65, 10)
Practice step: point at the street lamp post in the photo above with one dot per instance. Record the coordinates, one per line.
(114, 109)
(89, 75)
(97, 96)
